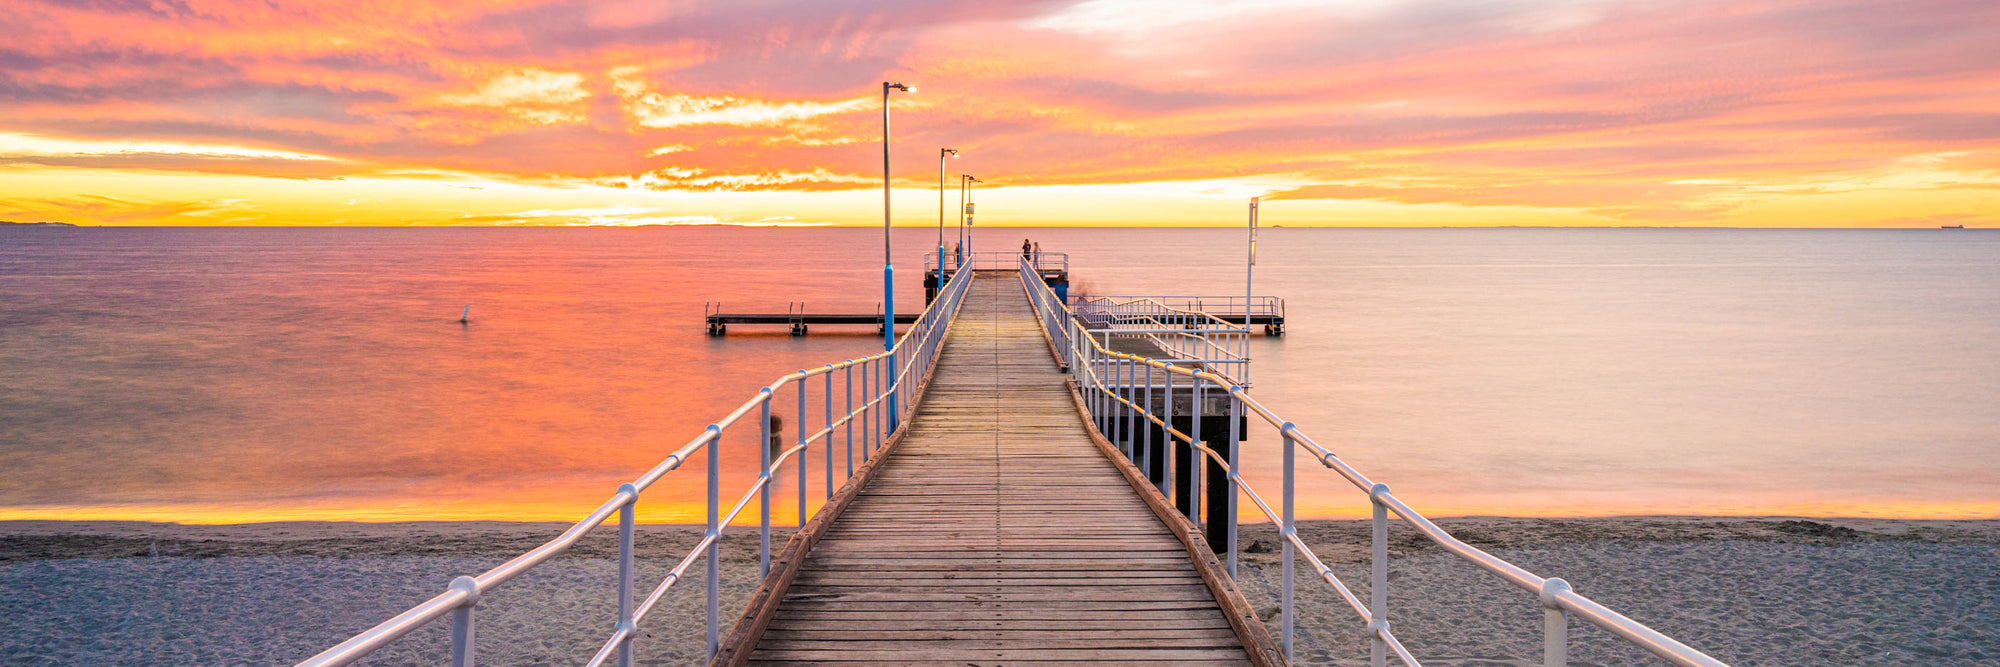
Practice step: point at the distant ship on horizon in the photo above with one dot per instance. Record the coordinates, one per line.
(1951, 226)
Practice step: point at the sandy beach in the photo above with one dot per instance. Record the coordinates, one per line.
(1752, 591)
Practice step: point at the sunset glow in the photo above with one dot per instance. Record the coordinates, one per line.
(565, 112)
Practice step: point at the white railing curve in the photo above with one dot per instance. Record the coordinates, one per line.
(895, 375)
(1099, 374)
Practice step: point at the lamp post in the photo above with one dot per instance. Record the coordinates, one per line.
(888, 265)
(941, 153)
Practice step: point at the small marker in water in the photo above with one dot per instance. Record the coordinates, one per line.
(465, 316)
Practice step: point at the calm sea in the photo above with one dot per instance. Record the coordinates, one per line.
(252, 374)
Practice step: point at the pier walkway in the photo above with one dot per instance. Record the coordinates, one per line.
(994, 515)
(997, 531)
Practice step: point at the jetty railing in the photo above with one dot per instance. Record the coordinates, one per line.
(1260, 307)
(1104, 377)
(1187, 337)
(888, 383)
(998, 261)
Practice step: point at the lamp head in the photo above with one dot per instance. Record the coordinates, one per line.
(952, 151)
(908, 88)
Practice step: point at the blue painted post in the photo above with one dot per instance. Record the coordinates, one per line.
(889, 330)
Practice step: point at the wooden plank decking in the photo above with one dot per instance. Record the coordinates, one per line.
(997, 533)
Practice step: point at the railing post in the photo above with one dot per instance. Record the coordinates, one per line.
(1091, 384)
(714, 536)
(764, 491)
(1146, 438)
(1196, 460)
(867, 412)
(1133, 400)
(1163, 454)
(1285, 538)
(1075, 328)
(829, 434)
(1378, 587)
(461, 622)
(625, 575)
(1555, 624)
(799, 425)
(1235, 444)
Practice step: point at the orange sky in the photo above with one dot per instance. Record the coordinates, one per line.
(1372, 112)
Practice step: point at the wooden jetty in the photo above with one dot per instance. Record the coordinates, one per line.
(795, 316)
(1000, 529)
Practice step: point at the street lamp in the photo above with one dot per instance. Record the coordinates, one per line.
(888, 265)
(941, 153)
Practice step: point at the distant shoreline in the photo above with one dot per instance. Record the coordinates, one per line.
(1337, 540)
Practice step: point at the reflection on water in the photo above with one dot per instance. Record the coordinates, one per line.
(240, 374)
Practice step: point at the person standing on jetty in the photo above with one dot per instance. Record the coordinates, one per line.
(1026, 249)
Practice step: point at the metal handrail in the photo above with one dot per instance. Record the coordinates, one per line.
(896, 374)
(1182, 334)
(1257, 305)
(1096, 368)
(989, 260)
(1111, 307)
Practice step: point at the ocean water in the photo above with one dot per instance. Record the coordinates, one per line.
(313, 373)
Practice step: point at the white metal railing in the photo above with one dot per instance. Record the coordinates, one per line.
(895, 375)
(998, 261)
(1189, 337)
(1114, 392)
(1260, 307)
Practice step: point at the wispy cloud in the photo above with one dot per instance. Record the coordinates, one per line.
(531, 94)
(28, 145)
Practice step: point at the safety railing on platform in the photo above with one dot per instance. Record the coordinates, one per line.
(1191, 338)
(1047, 262)
(888, 382)
(1262, 308)
(1114, 391)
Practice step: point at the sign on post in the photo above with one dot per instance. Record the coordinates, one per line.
(1253, 229)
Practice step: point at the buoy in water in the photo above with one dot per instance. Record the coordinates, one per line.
(466, 315)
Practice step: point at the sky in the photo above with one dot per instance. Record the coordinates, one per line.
(1811, 113)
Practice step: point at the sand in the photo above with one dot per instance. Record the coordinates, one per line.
(1751, 591)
